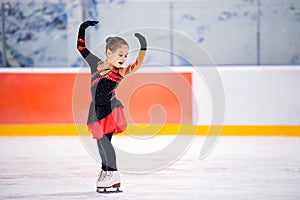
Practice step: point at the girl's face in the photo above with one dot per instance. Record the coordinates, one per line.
(118, 57)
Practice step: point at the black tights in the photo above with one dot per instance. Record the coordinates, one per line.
(107, 153)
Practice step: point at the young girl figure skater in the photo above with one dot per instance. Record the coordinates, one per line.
(106, 116)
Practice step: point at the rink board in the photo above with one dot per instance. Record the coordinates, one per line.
(64, 98)
(157, 101)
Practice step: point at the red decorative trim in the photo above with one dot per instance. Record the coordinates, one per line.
(95, 81)
(81, 40)
(132, 67)
(115, 71)
(95, 73)
(80, 48)
(115, 76)
(127, 70)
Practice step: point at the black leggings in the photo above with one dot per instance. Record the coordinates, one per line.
(107, 153)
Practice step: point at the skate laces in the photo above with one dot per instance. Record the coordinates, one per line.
(105, 175)
(109, 174)
(102, 175)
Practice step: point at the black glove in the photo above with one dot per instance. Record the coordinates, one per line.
(84, 25)
(88, 23)
(142, 40)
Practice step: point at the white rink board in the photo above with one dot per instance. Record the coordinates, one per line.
(238, 168)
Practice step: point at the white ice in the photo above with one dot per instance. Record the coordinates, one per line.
(237, 168)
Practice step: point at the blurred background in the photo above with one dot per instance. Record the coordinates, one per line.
(42, 33)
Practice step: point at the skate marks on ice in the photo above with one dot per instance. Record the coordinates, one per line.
(63, 195)
(71, 195)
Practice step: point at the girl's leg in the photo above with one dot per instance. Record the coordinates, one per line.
(107, 153)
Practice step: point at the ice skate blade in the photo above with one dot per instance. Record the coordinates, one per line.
(117, 185)
(105, 191)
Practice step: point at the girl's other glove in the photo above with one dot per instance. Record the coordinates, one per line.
(142, 41)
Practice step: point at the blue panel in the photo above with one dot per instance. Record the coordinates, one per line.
(226, 30)
(42, 33)
(36, 33)
(280, 32)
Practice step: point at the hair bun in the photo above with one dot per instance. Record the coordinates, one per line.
(109, 39)
(112, 43)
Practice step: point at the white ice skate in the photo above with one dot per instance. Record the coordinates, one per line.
(108, 179)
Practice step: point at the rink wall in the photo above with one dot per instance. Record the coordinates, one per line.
(258, 101)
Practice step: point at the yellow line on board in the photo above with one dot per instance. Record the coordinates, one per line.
(152, 130)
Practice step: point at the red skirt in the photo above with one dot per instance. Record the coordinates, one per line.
(114, 122)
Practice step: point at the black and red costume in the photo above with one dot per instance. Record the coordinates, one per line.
(106, 113)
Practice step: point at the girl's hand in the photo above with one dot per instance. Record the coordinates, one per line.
(142, 40)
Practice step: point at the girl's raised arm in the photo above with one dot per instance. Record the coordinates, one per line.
(140, 59)
(91, 59)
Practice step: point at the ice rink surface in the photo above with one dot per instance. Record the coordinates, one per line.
(237, 168)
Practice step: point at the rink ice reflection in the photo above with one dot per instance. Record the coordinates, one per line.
(238, 168)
